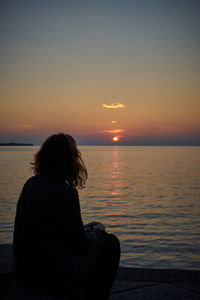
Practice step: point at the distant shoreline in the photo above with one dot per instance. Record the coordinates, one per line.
(15, 144)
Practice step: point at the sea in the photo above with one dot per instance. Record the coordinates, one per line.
(149, 197)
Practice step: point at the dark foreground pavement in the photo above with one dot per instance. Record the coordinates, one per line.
(158, 284)
(130, 284)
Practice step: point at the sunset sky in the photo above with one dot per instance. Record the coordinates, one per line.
(99, 69)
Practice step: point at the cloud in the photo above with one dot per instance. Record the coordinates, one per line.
(22, 126)
(113, 122)
(114, 105)
(114, 131)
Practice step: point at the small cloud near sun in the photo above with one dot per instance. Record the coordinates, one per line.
(114, 131)
(114, 105)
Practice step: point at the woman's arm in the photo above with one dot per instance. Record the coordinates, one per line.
(78, 239)
(81, 237)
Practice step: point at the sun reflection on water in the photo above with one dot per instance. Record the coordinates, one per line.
(115, 174)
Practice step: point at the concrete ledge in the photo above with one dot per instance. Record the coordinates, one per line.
(5, 258)
(130, 284)
(159, 275)
(144, 284)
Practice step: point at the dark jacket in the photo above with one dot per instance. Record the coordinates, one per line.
(49, 232)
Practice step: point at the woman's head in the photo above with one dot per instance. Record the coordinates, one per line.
(59, 156)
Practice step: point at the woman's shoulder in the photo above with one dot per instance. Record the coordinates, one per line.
(50, 182)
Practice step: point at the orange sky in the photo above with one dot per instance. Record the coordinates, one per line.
(60, 67)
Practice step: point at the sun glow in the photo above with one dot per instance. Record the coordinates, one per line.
(115, 139)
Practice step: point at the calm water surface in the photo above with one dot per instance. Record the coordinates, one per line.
(148, 196)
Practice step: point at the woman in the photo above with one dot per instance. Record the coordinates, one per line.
(53, 251)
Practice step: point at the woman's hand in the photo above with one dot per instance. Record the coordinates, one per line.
(95, 225)
(91, 224)
(99, 226)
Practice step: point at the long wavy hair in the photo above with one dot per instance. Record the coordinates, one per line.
(60, 157)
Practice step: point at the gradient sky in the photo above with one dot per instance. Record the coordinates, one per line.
(66, 64)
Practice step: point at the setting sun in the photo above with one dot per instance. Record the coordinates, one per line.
(115, 139)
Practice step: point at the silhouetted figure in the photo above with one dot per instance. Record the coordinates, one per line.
(53, 251)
